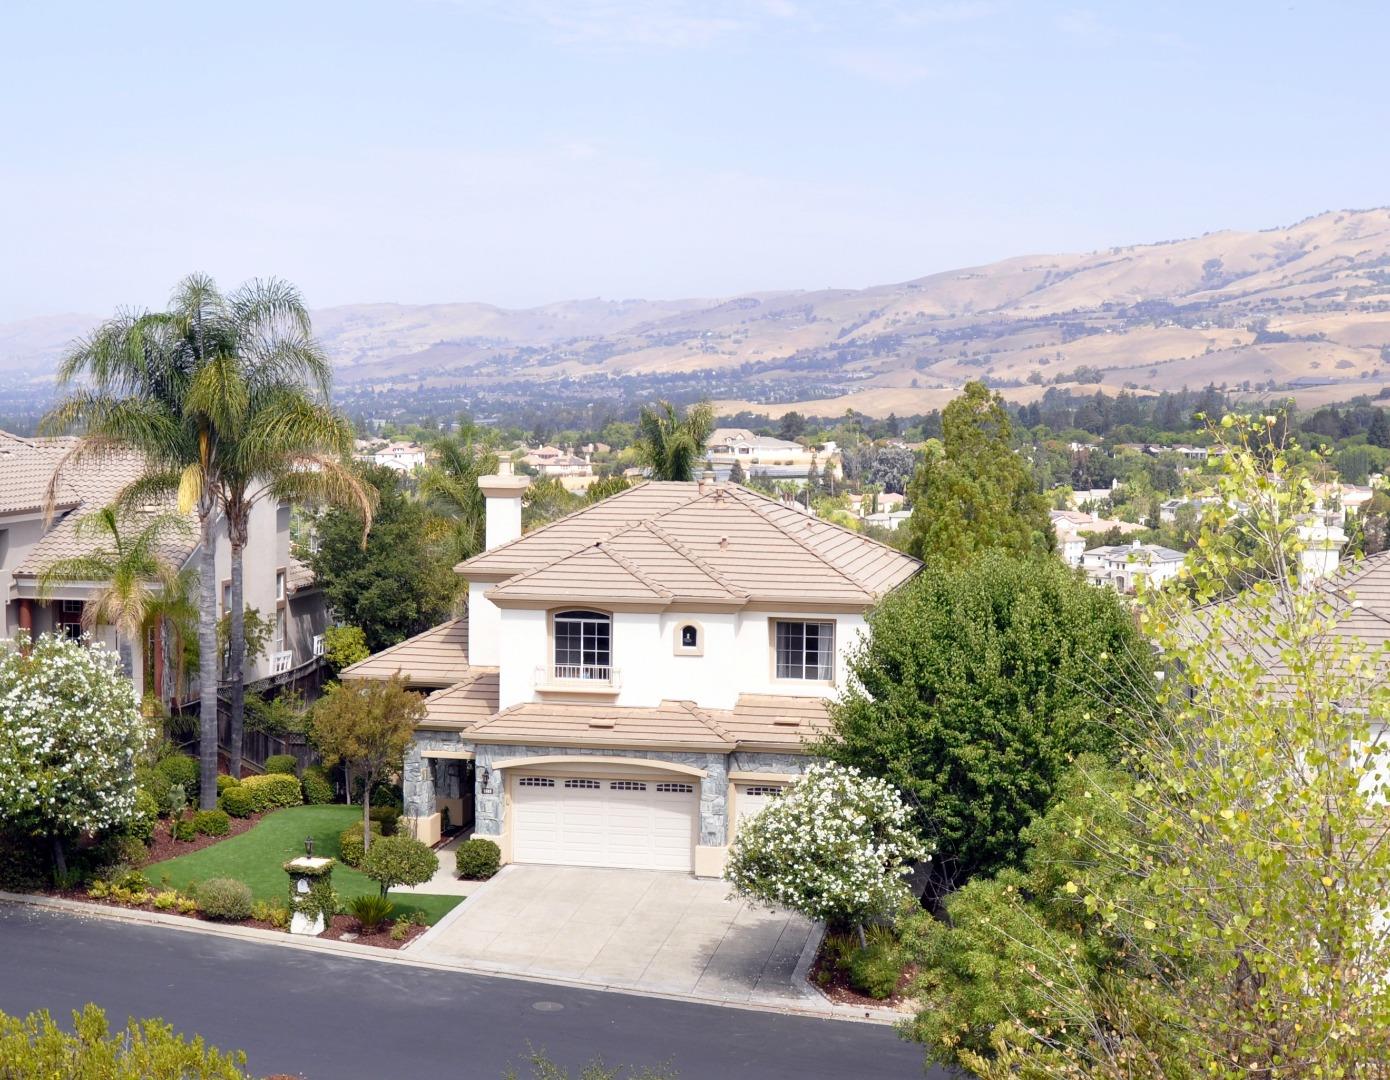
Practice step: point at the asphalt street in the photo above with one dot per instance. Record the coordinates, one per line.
(339, 1018)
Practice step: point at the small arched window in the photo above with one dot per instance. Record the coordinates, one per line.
(689, 639)
(690, 636)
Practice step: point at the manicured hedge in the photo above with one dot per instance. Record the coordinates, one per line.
(477, 859)
(142, 822)
(212, 822)
(350, 846)
(238, 802)
(225, 899)
(182, 770)
(388, 816)
(318, 788)
(224, 782)
(280, 763)
(273, 790)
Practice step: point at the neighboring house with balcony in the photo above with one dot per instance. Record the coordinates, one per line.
(1129, 567)
(633, 679)
(276, 584)
(404, 457)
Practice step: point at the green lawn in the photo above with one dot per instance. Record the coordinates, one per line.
(258, 855)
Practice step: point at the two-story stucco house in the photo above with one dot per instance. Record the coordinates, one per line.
(631, 680)
(275, 583)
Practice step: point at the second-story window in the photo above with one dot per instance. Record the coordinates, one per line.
(583, 645)
(806, 650)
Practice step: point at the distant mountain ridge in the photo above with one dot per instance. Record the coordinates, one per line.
(1303, 308)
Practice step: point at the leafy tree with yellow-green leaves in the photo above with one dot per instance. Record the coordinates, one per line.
(1239, 878)
(976, 493)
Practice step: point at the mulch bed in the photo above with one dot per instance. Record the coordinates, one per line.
(837, 988)
(346, 924)
(164, 846)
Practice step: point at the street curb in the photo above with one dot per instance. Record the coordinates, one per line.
(351, 950)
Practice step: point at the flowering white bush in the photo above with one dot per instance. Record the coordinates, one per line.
(835, 846)
(70, 728)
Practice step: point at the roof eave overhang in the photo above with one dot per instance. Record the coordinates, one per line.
(573, 738)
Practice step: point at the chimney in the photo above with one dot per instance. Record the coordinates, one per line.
(503, 490)
(706, 482)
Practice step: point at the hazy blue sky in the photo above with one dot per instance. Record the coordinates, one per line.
(519, 151)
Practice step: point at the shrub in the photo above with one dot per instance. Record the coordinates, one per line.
(400, 929)
(182, 770)
(477, 859)
(183, 829)
(350, 846)
(225, 899)
(114, 855)
(272, 790)
(836, 846)
(399, 860)
(876, 970)
(212, 822)
(173, 900)
(271, 911)
(142, 822)
(38, 1046)
(317, 787)
(371, 911)
(388, 816)
(224, 782)
(281, 763)
(238, 802)
(23, 862)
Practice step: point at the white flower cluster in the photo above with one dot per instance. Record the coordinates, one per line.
(70, 728)
(836, 846)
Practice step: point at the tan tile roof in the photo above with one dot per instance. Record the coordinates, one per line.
(728, 546)
(299, 576)
(465, 704)
(25, 468)
(95, 482)
(775, 722)
(670, 725)
(436, 658)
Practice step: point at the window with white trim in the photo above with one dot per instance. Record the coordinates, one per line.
(583, 645)
(805, 650)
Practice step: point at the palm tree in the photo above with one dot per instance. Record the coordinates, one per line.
(137, 582)
(282, 442)
(178, 387)
(670, 444)
(449, 486)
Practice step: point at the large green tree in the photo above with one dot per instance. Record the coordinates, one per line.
(975, 686)
(976, 493)
(401, 581)
(449, 486)
(672, 444)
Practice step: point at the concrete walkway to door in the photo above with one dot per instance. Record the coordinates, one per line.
(631, 929)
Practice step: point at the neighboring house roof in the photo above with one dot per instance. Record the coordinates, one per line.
(299, 576)
(95, 483)
(1137, 553)
(436, 658)
(25, 468)
(722, 437)
(663, 543)
(465, 704)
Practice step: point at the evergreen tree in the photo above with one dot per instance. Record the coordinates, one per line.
(1378, 434)
(736, 474)
(976, 493)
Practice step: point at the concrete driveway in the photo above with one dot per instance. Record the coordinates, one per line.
(630, 929)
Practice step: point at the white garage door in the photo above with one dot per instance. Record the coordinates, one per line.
(749, 799)
(602, 821)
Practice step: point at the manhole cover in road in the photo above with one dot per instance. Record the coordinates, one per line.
(546, 1006)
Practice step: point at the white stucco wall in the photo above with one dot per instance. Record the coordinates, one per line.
(737, 655)
(22, 532)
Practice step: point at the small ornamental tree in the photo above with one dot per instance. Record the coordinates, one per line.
(399, 860)
(366, 725)
(70, 729)
(835, 846)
